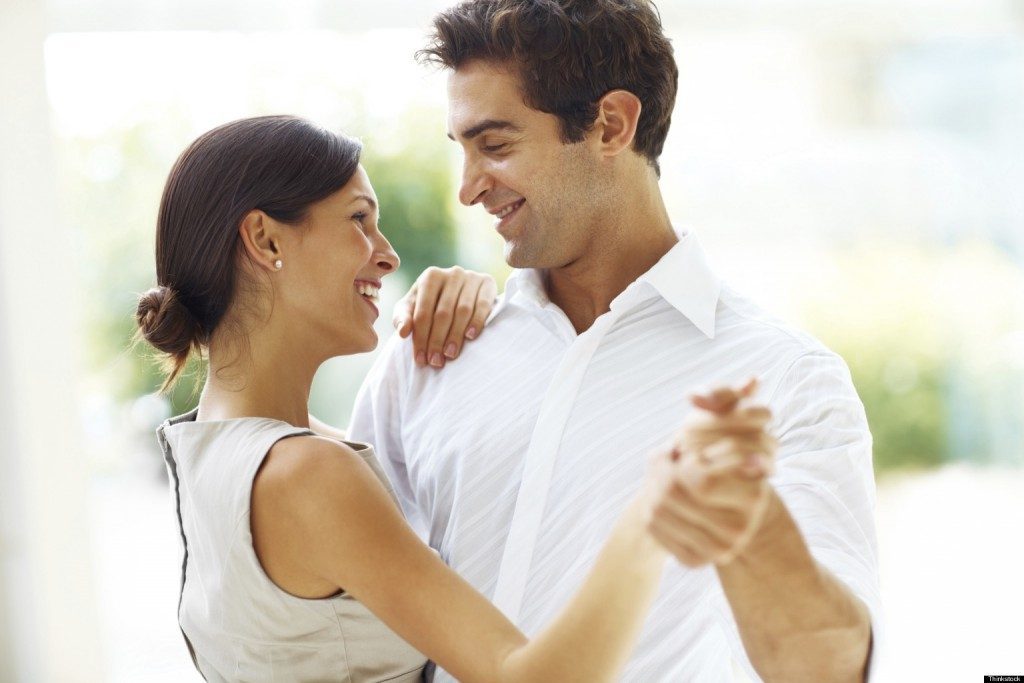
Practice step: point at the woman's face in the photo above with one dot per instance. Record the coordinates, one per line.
(333, 266)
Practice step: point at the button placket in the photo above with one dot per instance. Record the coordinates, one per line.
(538, 467)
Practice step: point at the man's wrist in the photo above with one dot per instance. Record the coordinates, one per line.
(775, 544)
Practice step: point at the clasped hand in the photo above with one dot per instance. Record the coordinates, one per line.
(709, 490)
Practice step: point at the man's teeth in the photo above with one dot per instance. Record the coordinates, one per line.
(509, 209)
(368, 291)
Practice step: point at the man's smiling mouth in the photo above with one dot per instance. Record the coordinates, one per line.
(510, 208)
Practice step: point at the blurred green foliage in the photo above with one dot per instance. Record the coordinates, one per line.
(414, 188)
(924, 336)
(112, 189)
(907, 417)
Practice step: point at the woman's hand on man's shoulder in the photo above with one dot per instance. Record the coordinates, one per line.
(444, 308)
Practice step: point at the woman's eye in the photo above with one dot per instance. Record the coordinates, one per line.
(359, 217)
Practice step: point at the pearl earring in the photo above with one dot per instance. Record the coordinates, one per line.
(278, 264)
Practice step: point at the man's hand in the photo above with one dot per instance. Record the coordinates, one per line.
(714, 488)
(445, 307)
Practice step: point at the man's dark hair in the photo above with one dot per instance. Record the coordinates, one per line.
(568, 54)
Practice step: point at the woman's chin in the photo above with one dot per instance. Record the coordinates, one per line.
(369, 342)
(356, 344)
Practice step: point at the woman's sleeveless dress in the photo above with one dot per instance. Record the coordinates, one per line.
(238, 625)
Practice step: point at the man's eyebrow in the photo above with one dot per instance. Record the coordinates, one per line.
(486, 125)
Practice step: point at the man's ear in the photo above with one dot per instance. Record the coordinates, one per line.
(260, 240)
(618, 114)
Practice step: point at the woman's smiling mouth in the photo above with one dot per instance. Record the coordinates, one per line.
(370, 293)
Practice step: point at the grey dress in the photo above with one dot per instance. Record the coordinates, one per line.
(238, 625)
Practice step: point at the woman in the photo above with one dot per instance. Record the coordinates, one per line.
(298, 563)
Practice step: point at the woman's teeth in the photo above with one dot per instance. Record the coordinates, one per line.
(369, 291)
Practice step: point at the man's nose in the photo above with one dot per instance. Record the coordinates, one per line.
(475, 182)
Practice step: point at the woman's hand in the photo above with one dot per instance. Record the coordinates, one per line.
(445, 307)
(711, 489)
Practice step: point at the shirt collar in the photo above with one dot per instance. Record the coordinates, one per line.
(685, 280)
(529, 282)
(682, 277)
(525, 281)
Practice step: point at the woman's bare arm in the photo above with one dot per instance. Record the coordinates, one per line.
(320, 513)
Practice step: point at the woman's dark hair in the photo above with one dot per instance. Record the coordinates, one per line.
(277, 164)
(568, 54)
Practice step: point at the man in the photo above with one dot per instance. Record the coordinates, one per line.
(515, 461)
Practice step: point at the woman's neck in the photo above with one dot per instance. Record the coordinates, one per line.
(262, 377)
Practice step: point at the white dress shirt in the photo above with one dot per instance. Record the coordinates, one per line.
(515, 460)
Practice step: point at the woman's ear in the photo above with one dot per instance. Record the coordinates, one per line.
(260, 239)
(618, 114)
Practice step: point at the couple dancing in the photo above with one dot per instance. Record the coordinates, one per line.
(550, 506)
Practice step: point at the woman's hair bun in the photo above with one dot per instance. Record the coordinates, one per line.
(166, 323)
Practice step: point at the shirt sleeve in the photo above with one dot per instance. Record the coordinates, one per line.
(825, 478)
(377, 420)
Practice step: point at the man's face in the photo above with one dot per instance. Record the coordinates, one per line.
(544, 194)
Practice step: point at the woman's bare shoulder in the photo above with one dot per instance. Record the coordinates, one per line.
(317, 510)
(314, 470)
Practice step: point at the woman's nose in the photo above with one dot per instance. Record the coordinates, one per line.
(387, 259)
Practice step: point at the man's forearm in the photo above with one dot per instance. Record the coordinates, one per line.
(797, 621)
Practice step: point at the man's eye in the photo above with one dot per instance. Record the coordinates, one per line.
(495, 148)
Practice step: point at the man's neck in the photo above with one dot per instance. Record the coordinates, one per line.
(586, 288)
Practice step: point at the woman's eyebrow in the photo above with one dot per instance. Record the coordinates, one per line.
(370, 200)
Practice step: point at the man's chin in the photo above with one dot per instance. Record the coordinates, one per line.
(534, 257)
(518, 255)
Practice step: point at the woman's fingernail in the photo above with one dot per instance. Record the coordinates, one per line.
(449, 350)
(754, 466)
(436, 360)
(471, 333)
(421, 358)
